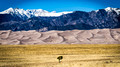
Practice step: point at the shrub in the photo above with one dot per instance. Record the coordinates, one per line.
(60, 58)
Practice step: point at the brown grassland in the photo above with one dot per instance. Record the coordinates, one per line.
(73, 55)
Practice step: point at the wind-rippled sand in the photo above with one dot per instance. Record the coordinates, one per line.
(97, 36)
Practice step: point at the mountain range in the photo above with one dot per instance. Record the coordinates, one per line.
(42, 20)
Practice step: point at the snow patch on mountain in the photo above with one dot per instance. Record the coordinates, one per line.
(109, 9)
(25, 14)
(32, 13)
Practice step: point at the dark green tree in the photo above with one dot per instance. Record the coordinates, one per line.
(60, 58)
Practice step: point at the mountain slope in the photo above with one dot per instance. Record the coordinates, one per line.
(103, 18)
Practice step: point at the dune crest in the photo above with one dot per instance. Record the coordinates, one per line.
(96, 36)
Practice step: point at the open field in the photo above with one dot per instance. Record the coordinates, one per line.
(73, 55)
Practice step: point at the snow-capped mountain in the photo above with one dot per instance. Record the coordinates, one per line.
(32, 13)
(19, 19)
(110, 9)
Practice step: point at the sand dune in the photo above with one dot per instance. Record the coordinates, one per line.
(97, 36)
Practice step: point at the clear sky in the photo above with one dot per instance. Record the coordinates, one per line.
(59, 5)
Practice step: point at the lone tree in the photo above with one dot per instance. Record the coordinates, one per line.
(60, 58)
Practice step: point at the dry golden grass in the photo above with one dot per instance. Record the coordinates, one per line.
(73, 55)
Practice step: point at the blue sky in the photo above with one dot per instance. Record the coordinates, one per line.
(59, 5)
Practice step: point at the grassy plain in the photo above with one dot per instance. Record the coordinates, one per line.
(73, 55)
